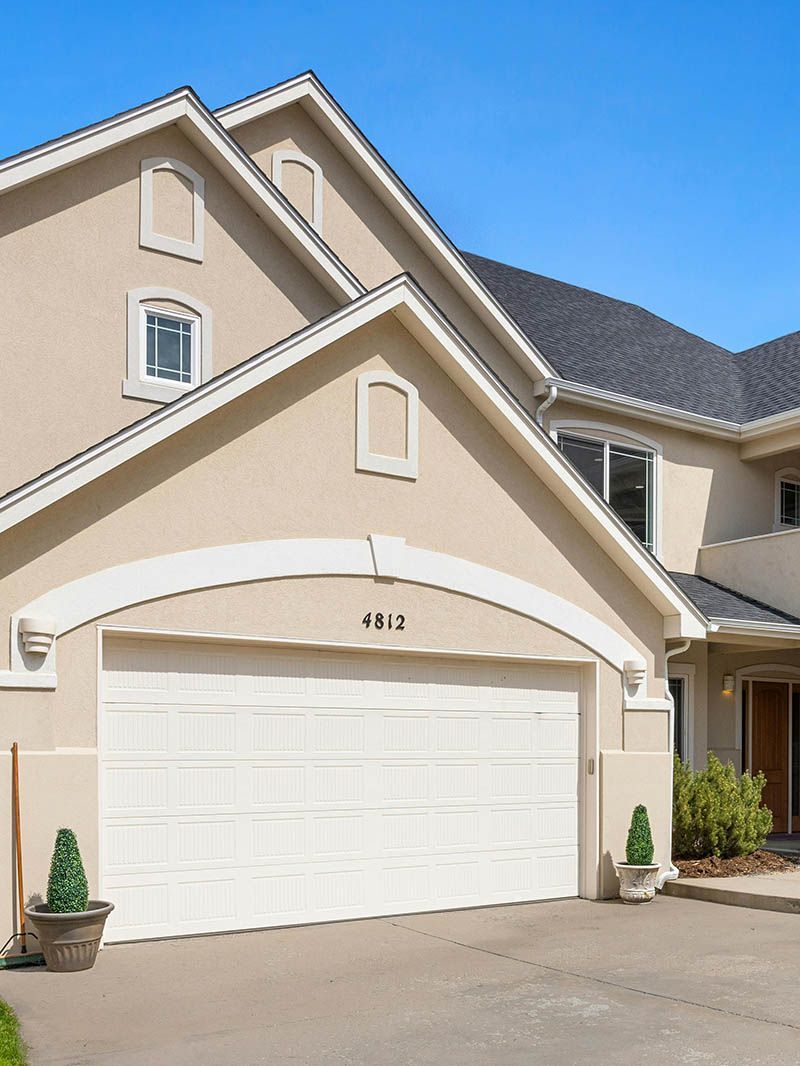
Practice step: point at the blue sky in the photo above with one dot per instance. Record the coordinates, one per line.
(649, 151)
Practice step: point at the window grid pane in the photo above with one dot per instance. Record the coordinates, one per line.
(790, 503)
(169, 349)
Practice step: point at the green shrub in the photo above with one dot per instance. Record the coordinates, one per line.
(639, 846)
(67, 887)
(714, 812)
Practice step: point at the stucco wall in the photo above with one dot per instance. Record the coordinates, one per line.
(280, 463)
(366, 236)
(69, 252)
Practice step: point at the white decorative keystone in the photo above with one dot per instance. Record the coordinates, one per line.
(635, 672)
(37, 634)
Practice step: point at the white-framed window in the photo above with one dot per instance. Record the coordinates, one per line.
(787, 498)
(280, 158)
(163, 242)
(622, 468)
(681, 689)
(169, 344)
(169, 349)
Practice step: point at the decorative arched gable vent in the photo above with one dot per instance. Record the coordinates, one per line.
(284, 156)
(191, 248)
(406, 463)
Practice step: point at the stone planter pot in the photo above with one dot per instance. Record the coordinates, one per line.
(70, 942)
(637, 884)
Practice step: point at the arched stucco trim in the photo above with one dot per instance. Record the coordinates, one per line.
(106, 591)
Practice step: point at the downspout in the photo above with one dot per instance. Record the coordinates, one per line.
(546, 404)
(672, 872)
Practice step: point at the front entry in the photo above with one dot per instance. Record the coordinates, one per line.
(770, 746)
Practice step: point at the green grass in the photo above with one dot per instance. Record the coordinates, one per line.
(12, 1050)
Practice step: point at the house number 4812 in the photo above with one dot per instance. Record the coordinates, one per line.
(383, 621)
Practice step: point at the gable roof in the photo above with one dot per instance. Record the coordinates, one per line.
(185, 109)
(307, 90)
(402, 297)
(621, 348)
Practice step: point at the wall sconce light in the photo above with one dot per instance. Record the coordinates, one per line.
(727, 684)
(37, 634)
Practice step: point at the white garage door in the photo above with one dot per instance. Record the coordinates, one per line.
(249, 787)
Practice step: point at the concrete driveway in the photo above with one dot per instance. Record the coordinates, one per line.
(545, 983)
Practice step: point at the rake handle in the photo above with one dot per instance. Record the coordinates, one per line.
(20, 889)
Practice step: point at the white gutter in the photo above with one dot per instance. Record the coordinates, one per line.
(673, 871)
(735, 627)
(653, 412)
(541, 410)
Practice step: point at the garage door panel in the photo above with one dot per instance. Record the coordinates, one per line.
(218, 900)
(244, 788)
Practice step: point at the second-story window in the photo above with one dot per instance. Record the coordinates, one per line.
(622, 475)
(170, 346)
(789, 514)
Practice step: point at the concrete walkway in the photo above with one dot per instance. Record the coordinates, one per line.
(766, 892)
(563, 984)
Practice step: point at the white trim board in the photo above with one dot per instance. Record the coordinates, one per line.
(106, 591)
(290, 155)
(148, 236)
(184, 109)
(462, 364)
(311, 94)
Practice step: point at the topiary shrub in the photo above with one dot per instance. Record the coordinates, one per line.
(714, 812)
(67, 887)
(639, 846)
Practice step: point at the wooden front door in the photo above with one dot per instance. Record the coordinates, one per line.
(770, 747)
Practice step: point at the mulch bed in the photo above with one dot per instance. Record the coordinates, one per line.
(760, 862)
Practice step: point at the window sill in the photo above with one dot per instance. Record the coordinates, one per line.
(151, 390)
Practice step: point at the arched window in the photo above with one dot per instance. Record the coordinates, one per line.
(169, 344)
(283, 156)
(787, 499)
(624, 468)
(399, 425)
(162, 208)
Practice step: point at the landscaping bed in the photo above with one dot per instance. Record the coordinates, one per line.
(760, 862)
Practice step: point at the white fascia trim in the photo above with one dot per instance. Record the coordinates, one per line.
(762, 427)
(670, 416)
(374, 462)
(737, 627)
(148, 237)
(652, 412)
(210, 137)
(315, 98)
(424, 321)
(106, 591)
(290, 155)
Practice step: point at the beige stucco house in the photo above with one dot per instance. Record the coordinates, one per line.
(346, 573)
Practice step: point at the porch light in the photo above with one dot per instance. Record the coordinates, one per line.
(37, 634)
(727, 684)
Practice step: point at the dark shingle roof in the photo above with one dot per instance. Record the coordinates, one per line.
(771, 377)
(717, 601)
(611, 344)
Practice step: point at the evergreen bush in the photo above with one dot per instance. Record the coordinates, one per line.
(639, 846)
(67, 887)
(714, 812)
